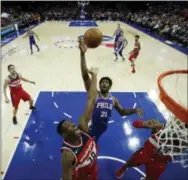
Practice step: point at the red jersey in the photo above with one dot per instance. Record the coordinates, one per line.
(14, 83)
(155, 147)
(85, 167)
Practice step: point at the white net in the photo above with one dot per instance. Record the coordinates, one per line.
(83, 3)
(173, 139)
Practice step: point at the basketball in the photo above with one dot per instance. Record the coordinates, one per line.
(93, 37)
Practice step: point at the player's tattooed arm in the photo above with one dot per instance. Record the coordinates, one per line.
(91, 99)
(85, 75)
(5, 85)
(125, 112)
(150, 124)
(67, 160)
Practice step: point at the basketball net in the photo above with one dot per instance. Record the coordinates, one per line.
(83, 3)
(173, 139)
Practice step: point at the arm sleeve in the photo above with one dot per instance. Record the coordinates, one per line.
(138, 123)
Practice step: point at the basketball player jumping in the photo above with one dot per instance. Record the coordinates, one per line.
(134, 53)
(121, 44)
(104, 102)
(32, 41)
(16, 91)
(79, 153)
(151, 154)
(117, 34)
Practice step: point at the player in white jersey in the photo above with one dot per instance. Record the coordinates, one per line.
(121, 44)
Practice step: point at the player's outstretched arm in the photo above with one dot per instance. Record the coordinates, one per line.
(91, 99)
(150, 124)
(36, 35)
(26, 80)
(114, 33)
(67, 161)
(85, 75)
(125, 112)
(26, 35)
(126, 42)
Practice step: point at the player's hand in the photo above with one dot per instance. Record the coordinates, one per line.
(93, 71)
(32, 82)
(82, 46)
(7, 100)
(139, 112)
(151, 124)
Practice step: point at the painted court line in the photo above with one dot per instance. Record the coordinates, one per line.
(56, 105)
(133, 105)
(121, 161)
(110, 121)
(14, 150)
(56, 122)
(69, 116)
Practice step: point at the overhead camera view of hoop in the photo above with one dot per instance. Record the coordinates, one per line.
(175, 134)
(107, 90)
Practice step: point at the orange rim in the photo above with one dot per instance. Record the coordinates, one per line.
(178, 110)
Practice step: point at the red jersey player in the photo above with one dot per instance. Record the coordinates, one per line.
(79, 149)
(150, 155)
(135, 52)
(17, 93)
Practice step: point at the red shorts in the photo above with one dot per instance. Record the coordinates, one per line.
(133, 56)
(19, 95)
(155, 164)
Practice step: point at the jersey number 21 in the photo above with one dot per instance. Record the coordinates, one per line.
(104, 114)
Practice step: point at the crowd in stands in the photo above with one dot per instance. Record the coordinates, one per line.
(169, 20)
(16, 14)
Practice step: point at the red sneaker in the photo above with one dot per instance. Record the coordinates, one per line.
(121, 172)
(133, 71)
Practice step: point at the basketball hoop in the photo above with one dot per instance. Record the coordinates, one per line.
(178, 110)
(173, 139)
(83, 3)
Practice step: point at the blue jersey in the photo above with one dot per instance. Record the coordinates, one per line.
(118, 32)
(31, 36)
(121, 42)
(102, 109)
